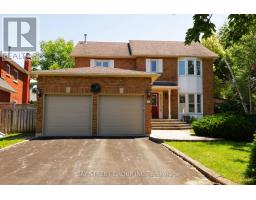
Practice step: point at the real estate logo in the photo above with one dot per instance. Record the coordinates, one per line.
(20, 34)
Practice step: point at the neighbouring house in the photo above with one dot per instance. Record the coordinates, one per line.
(14, 81)
(116, 88)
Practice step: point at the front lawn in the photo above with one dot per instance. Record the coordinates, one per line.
(13, 139)
(229, 159)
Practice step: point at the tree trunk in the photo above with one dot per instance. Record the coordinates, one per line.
(236, 86)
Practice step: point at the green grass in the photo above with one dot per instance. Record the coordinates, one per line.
(13, 139)
(229, 159)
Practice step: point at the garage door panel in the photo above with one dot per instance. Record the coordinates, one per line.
(67, 115)
(121, 115)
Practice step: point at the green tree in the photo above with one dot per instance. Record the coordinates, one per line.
(243, 59)
(53, 55)
(231, 33)
(237, 26)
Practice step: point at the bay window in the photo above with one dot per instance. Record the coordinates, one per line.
(189, 66)
(191, 103)
(182, 68)
(182, 102)
(198, 98)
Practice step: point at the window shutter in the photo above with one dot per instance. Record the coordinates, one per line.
(112, 63)
(92, 63)
(160, 66)
(147, 65)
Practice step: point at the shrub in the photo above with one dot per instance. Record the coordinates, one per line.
(228, 106)
(228, 126)
(251, 170)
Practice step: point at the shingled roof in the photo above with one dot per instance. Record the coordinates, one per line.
(137, 48)
(169, 49)
(94, 72)
(101, 49)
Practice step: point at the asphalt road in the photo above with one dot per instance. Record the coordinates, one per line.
(95, 161)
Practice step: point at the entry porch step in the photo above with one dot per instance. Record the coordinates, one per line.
(169, 124)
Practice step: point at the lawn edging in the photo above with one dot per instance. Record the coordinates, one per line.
(12, 145)
(210, 174)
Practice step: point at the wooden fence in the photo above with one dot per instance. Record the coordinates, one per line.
(17, 119)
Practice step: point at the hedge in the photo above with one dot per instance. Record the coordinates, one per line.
(228, 126)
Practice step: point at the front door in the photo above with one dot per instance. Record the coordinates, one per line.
(155, 105)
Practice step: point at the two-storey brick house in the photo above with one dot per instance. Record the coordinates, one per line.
(185, 85)
(14, 80)
(116, 88)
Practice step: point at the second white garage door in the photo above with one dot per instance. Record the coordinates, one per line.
(121, 116)
(67, 115)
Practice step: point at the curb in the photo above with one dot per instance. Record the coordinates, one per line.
(210, 174)
(13, 145)
(160, 140)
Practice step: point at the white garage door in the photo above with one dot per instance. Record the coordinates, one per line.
(121, 116)
(67, 115)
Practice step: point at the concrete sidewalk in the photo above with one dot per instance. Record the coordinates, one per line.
(178, 135)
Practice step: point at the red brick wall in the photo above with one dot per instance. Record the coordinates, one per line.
(123, 63)
(208, 107)
(81, 85)
(4, 96)
(18, 86)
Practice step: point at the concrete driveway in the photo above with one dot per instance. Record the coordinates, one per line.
(94, 161)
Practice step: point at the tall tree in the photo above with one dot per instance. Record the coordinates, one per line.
(203, 27)
(53, 55)
(231, 33)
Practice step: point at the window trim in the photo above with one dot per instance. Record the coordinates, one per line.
(157, 70)
(182, 94)
(179, 67)
(159, 65)
(194, 59)
(9, 66)
(15, 80)
(194, 103)
(111, 63)
(187, 103)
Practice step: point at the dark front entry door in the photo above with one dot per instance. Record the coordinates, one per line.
(155, 105)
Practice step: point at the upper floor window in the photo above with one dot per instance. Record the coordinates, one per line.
(154, 65)
(8, 69)
(198, 68)
(15, 75)
(191, 66)
(182, 68)
(102, 63)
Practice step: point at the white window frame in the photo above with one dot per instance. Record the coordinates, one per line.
(187, 103)
(194, 102)
(15, 71)
(194, 59)
(9, 67)
(201, 105)
(180, 103)
(94, 61)
(179, 68)
(159, 65)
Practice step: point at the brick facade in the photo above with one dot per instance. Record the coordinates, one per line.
(170, 73)
(21, 86)
(81, 85)
(208, 104)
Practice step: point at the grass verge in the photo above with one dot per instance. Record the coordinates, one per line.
(227, 158)
(13, 138)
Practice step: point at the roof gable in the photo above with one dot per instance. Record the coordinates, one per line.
(101, 49)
